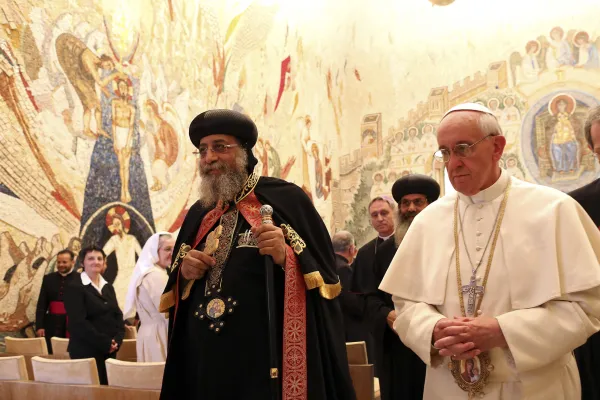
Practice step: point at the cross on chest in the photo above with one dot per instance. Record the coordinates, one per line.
(473, 290)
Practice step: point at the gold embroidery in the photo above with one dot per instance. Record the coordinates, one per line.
(248, 187)
(327, 290)
(183, 250)
(228, 224)
(247, 239)
(296, 242)
(187, 289)
(167, 300)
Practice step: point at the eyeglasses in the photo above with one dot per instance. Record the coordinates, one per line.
(461, 150)
(420, 202)
(383, 213)
(218, 148)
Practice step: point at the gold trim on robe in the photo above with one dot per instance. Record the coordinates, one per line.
(187, 289)
(183, 250)
(248, 187)
(327, 290)
(167, 300)
(296, 242)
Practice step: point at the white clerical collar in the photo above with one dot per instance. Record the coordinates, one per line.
(489, 194)
(384, 238)
(85, 279)
(71, 270)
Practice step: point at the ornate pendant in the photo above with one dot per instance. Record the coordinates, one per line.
(247, 239)
(216, 308)
(472, 375)
(212, 240)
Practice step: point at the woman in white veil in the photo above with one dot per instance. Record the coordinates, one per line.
(145, 289)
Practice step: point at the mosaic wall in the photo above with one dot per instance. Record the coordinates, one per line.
(96, 96)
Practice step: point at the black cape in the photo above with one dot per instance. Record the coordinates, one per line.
(588, 355)
(53, 289)
(401, 371)
(225, 357)
(362, 281)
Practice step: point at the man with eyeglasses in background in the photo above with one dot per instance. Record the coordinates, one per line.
(513, 281)
(588, 355)
(401, 371)
(223, 340)
(381, 216)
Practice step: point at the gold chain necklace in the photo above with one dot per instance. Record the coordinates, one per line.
(472, 375)
(471, 289)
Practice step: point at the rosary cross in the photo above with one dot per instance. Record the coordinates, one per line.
(473, 291)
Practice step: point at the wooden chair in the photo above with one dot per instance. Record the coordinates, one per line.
(13, 369)
(357, 353)
(135, 375)
(26, 345)
(28, 358)
(67, 372)
(59, 345)
(361, 372)
(127, 351)
(130, 332)
(29, 390)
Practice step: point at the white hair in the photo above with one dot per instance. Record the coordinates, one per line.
(342, 241)
(487, 121)
(161, 239)
(489, 125)
(225, 186)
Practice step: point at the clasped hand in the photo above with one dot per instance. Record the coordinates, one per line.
(113, 346)
(464, 338)
(270, 241)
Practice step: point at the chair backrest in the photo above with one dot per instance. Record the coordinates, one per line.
(363, 381)
(26, 345)
(66, 372)
(13, 369)
(135, 375)
(357, 353)
(130, 332)
(127, 351)
(59, 345)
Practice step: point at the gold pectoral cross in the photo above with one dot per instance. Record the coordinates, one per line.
(210, 247)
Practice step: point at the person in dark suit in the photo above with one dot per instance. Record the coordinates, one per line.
(401, 373)
(352, 306)
(95, 320)
(588, 196)
(51, 317)
(381, 213)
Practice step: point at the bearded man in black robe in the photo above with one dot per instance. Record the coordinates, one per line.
(401, 371)
(588, 196)
(216, 295)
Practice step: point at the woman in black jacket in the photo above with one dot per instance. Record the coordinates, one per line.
(94, 318)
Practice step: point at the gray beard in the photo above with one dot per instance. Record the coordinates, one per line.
(401, 228)
(225, 186)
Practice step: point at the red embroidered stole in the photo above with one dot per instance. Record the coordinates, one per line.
(295, 376)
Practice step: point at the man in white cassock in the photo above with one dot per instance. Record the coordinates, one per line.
(513, 282)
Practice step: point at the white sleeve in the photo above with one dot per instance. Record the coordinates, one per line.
(155, 283)
(414, 324)
(109, 247)
(538, 336)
